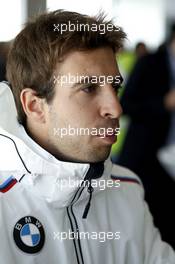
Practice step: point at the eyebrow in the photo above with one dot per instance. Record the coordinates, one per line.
(88, 79)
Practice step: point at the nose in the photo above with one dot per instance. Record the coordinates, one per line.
(110, 106)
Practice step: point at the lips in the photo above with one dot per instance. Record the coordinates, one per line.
(109, 134)
(108, 139)
(106, 135)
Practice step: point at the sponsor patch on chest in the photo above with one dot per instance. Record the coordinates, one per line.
(29, 235)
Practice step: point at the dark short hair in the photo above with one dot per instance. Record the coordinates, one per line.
(37, 49)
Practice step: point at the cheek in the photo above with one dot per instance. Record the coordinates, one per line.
(76, 110)
(72, 107)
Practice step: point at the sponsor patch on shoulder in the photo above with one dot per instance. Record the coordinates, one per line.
(7, 184)
(125, 179)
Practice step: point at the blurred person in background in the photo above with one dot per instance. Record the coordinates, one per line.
(4, 48)
(126, 60)
(141, 49)
(166, 154)
(149, 101)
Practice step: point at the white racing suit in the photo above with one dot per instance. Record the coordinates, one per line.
(49, 215)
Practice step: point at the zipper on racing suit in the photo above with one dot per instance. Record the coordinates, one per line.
(95, 171)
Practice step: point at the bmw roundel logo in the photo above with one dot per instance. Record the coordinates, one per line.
(29, 235)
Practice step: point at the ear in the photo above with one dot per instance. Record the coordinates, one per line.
(33, 106)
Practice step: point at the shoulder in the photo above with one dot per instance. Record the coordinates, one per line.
(128, 179)
(124, 174)
(130, 188)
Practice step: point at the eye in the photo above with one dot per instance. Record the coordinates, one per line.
(89, 89)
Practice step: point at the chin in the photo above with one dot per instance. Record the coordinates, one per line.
(99, 157)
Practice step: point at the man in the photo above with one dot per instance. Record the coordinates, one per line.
(54, 208)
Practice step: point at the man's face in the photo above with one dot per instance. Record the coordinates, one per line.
(84, 105)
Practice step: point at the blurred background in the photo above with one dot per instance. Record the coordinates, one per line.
(142, 20)
(146, 143)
